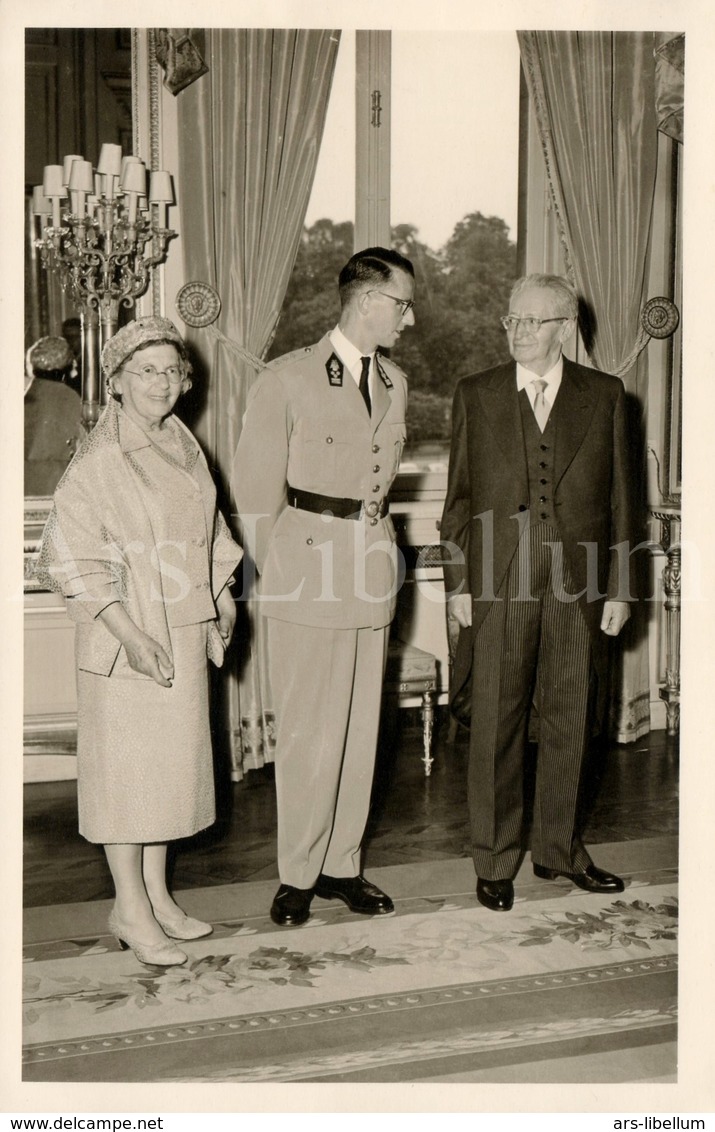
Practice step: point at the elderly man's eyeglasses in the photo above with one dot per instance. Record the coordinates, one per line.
(150, 373)
(510, 322)
(405, 305)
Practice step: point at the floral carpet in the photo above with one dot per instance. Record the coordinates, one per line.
(442, 988)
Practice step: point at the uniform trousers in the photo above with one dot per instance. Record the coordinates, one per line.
(533, 646)
(327, 687)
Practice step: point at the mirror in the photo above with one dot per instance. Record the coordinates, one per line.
(78, 93)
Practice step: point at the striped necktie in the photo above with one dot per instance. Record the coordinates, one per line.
(541, 405)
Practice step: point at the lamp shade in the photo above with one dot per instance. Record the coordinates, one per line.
(41, 206)
(67, 163)
(133, 179)
(81, 177)
(160, 189)
(52, 181)
(129, 159)
(110, 160)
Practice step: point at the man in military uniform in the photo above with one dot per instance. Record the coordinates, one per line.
(320, 446)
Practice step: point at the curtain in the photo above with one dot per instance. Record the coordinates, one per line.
(594, 98)
(249, 137)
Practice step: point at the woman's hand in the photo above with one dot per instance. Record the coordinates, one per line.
(226, 608)
(144, 654)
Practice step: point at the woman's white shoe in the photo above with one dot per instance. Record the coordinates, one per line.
(184, 927)
(155, 954)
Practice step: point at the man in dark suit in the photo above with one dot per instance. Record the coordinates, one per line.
(535, 537)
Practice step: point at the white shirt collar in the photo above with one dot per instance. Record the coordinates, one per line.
(349, 353)
(525, 377)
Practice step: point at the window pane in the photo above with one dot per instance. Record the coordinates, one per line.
(454, 184)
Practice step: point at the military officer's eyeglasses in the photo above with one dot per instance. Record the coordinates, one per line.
(149, 373)
(405, 305)
(510, 322)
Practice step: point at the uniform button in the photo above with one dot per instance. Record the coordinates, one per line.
(522, 507)
(376, 468)
(543, 499)
(542, 463)
(543, 481)
(544, 515)
(376, 487)
(328, 440)
(309, 541)
(373, 522)
(544, 447)
(376, 447)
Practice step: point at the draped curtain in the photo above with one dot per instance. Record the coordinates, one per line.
(594, 98)
(249, 137)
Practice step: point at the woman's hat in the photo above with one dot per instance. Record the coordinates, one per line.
(140, 332)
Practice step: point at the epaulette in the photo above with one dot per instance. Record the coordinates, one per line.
(294, 355)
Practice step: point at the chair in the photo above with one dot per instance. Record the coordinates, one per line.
(413, 672)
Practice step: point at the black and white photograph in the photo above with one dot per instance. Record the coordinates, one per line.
(364, 603)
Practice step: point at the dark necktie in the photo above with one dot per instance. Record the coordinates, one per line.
(364, 387)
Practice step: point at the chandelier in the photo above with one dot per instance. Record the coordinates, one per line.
(101, 235)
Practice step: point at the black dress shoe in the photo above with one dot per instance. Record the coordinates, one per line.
(590, 879)
(291, 906)
(498, 895)
(358, 894)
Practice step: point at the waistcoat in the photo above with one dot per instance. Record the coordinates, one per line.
(540, 449)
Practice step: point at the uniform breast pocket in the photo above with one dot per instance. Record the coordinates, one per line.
(318, 452)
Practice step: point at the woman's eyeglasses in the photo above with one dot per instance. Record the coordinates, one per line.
(149, 373)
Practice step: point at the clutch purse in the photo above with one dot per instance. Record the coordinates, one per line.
(215, 645)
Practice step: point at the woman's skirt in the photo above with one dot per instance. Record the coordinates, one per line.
(144, 759)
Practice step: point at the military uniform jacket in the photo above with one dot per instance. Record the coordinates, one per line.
(307, 426)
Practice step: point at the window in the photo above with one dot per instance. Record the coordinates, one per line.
(451, 113)
(454, 185)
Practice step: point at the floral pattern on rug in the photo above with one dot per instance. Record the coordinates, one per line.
(455, 944)
(325, 916)
(202, 978)
(624, 924)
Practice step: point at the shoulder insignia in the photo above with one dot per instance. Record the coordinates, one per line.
(287, 359)
(380, 369)
(334, 368)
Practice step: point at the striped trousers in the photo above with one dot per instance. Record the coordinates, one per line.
(533, 646)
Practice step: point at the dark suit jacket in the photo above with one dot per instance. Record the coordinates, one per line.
(488, 490)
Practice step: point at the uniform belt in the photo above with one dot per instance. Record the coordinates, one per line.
(340, 508)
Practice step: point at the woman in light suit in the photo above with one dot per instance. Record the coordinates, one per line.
(144, 559)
